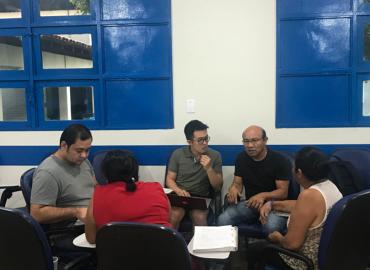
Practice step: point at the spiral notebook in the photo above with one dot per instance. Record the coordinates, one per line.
(215, 238)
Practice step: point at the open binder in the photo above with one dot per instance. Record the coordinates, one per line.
(215, 239)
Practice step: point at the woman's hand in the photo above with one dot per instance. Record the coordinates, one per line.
(275, 237)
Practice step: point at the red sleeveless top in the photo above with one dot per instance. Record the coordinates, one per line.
(147, 204)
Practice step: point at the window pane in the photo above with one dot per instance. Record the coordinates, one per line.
(64, 7)
(13, 104)
(10, 9)
(366, 98)
(69, 103)
(66, 51)
(11, 53)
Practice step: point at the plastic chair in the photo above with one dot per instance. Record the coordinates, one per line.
(345, 238)
(141, 247)
(24, 244)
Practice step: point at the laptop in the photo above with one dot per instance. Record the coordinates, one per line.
(189, 202)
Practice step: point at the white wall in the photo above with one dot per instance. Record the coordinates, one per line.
(224, 58)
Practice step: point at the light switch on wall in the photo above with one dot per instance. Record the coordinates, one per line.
(190, 105)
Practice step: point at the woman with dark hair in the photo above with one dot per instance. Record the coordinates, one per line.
(124, 198)
(307, 214)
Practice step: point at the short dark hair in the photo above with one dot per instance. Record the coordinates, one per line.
(193, 125)
(73, 132)
(313, 163)
(121, 165)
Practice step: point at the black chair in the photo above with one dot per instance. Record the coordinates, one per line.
(345, 238)
(7, 193)
(124, 245)
(24, 244)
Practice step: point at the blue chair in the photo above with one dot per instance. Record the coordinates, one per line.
(141, 247)
(96, 163)
(26, 185)
(345, 238)
(359, 158)
(24, 244)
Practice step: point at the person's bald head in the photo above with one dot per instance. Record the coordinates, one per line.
(254, 140)
(255, 130)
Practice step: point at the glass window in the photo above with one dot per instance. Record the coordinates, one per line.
(66, 51)
(13, 104)
(69, 103)
(64, 7)
(10, 9)
(366, 98)
(11, 53)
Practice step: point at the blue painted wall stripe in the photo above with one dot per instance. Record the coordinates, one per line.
(148, 155)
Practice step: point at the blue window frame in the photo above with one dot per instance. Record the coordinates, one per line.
(321, 64)
(118, 63)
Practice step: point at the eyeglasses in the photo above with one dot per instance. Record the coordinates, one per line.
(252, 141)
(201, 140)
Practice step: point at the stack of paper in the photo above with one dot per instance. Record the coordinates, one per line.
(215, 239)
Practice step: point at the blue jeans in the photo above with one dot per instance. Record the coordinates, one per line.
(240, 213)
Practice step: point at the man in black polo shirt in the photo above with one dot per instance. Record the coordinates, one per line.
(265, 175)
(193, 170)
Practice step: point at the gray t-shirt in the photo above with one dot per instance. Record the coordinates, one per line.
(58, 183)
(191, 175)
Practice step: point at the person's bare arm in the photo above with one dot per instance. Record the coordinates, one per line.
(235, 190)
(90, 226)
(280, 193)
(51, 214)
(171, 183)
(215, 179)
(307, 210)
(281, 206)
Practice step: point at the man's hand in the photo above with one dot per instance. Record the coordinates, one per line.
(265, 211)
(182, 192)
(256, 201)
(80, 213)
(205, 161)
(275, 237)
(233, 195)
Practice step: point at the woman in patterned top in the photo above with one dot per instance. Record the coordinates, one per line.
(307, 214)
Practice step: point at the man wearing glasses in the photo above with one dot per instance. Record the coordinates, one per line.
(193, 170)
(265, 175)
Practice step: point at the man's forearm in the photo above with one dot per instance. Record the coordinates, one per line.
(277, 194)
(215, 179)
(51, 214)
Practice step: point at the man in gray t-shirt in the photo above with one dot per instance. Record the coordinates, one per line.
(63, 183)
(194, 170)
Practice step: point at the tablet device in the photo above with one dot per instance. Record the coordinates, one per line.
(189, 202)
